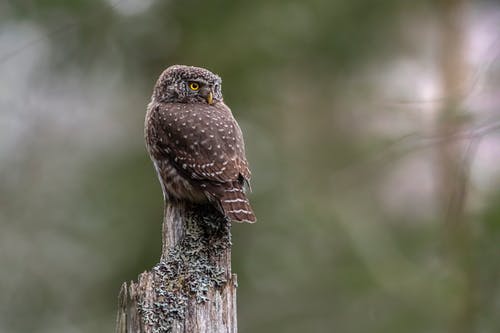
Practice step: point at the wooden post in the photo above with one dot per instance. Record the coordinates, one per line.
(192, 288)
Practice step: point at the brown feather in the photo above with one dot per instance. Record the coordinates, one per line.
(200, 153)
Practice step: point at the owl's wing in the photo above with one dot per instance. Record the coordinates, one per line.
(203, 141)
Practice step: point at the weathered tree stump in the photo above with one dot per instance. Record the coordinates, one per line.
(192, 288)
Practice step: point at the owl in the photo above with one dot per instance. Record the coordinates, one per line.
(196, 144)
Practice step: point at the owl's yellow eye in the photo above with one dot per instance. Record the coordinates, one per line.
(194, 86)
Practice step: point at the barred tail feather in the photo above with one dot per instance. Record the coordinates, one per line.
(235, 205)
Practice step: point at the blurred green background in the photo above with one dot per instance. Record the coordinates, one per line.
(372, 129)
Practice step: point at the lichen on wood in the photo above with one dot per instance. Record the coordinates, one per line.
(191, 289)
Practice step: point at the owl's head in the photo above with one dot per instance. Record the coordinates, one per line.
(188, 84)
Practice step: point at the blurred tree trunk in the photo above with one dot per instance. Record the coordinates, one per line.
(191, 289)
(454, 157)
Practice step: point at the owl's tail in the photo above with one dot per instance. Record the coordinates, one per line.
(235, 205)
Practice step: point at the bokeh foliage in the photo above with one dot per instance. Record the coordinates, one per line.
(80, 206)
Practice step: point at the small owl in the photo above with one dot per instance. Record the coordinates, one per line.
(196, 144)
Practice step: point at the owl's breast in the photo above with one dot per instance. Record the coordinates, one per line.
(175, 185)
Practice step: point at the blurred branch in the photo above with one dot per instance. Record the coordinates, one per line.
(402, 146)
(453, 160)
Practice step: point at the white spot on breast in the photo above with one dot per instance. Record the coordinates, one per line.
(160, 179)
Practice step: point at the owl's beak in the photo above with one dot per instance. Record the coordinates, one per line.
(206, 92)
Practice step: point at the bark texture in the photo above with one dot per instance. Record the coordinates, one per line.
(192, 288)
